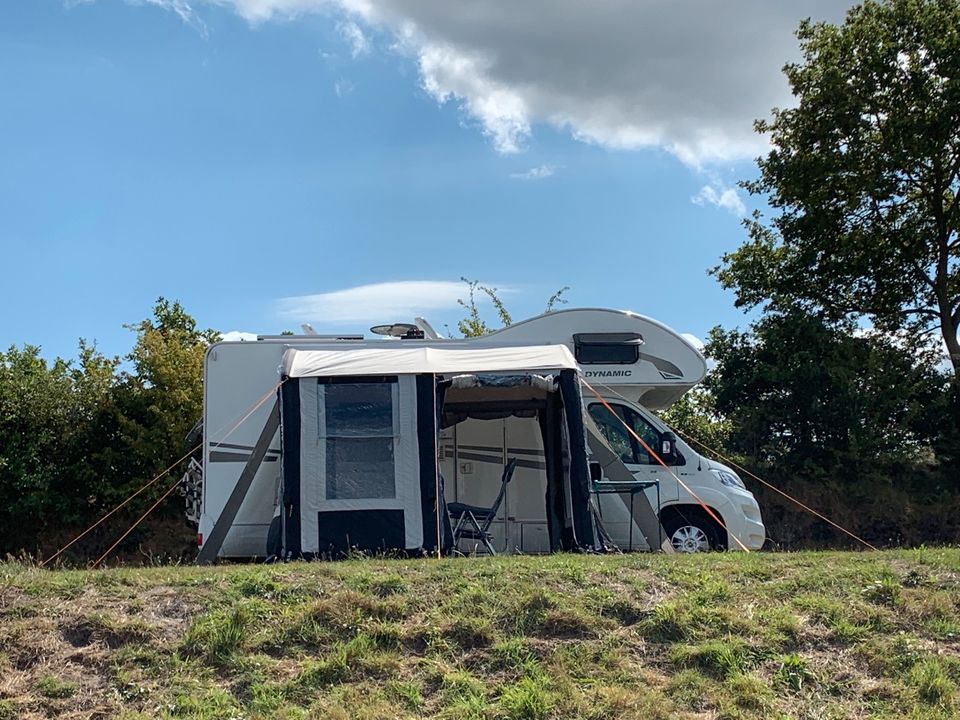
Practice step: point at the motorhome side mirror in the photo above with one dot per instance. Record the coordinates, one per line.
(596, 472)
(668, 447)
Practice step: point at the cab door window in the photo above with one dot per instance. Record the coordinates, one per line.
(622, 442)
(646, 431)
(614, 433)
(651, 436)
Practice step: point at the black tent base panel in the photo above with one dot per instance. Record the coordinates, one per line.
(363, 533)
(365, 530)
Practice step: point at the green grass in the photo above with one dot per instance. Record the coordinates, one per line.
(54, 688)
(802, 635)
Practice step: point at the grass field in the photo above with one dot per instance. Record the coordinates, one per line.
(806, 635)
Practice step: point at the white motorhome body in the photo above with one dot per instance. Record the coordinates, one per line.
(635, 363)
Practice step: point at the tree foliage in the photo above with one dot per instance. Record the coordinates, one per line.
(864, 174)
(168, 376)
(76, 437)
(813, 398)
(45, 409)
(696, 416)
(473, 325)
(855, 424)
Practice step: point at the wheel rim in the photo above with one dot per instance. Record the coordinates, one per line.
(690, 539)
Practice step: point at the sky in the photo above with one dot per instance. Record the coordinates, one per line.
(345, 163)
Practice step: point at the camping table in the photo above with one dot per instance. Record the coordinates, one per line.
(613, 487)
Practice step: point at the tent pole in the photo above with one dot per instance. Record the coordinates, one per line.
(436, 462)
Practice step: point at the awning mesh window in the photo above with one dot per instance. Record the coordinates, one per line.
(359, 435)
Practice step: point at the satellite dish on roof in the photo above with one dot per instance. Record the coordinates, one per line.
(404, 331)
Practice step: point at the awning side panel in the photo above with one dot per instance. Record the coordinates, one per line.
(579, 469)
(351, 465)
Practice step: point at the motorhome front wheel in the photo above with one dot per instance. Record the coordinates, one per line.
(691, 531)
(689, 539)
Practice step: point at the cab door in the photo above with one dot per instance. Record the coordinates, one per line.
(633, 454)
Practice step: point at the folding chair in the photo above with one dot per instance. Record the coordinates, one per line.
(473, 522)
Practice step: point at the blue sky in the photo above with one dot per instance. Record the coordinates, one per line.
(272, 162)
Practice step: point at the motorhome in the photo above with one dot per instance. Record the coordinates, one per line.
(635, 364)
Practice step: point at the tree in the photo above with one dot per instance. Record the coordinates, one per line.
(163, 398)
(52, 438)
(864, 174)
(808, 398)
(473, 325)
(78, 436)
(853, 424)
(695, 414)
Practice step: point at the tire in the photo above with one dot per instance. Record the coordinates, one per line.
(691, 530)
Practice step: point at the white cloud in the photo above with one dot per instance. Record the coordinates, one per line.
(449, 74)
(720, 196)
(257, 11)
(379, 302)
(343, 87)
(355, 38)
(535, 173)
(238, 336)
(688, 77)
(181, 8)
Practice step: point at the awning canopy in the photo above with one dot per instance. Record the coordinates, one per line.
(401, 360)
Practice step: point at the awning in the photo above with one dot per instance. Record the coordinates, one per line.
(399, 360)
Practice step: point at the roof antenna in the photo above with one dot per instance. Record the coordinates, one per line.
(428, 331)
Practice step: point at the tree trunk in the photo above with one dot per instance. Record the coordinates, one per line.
(948, 325)
(949, 332)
